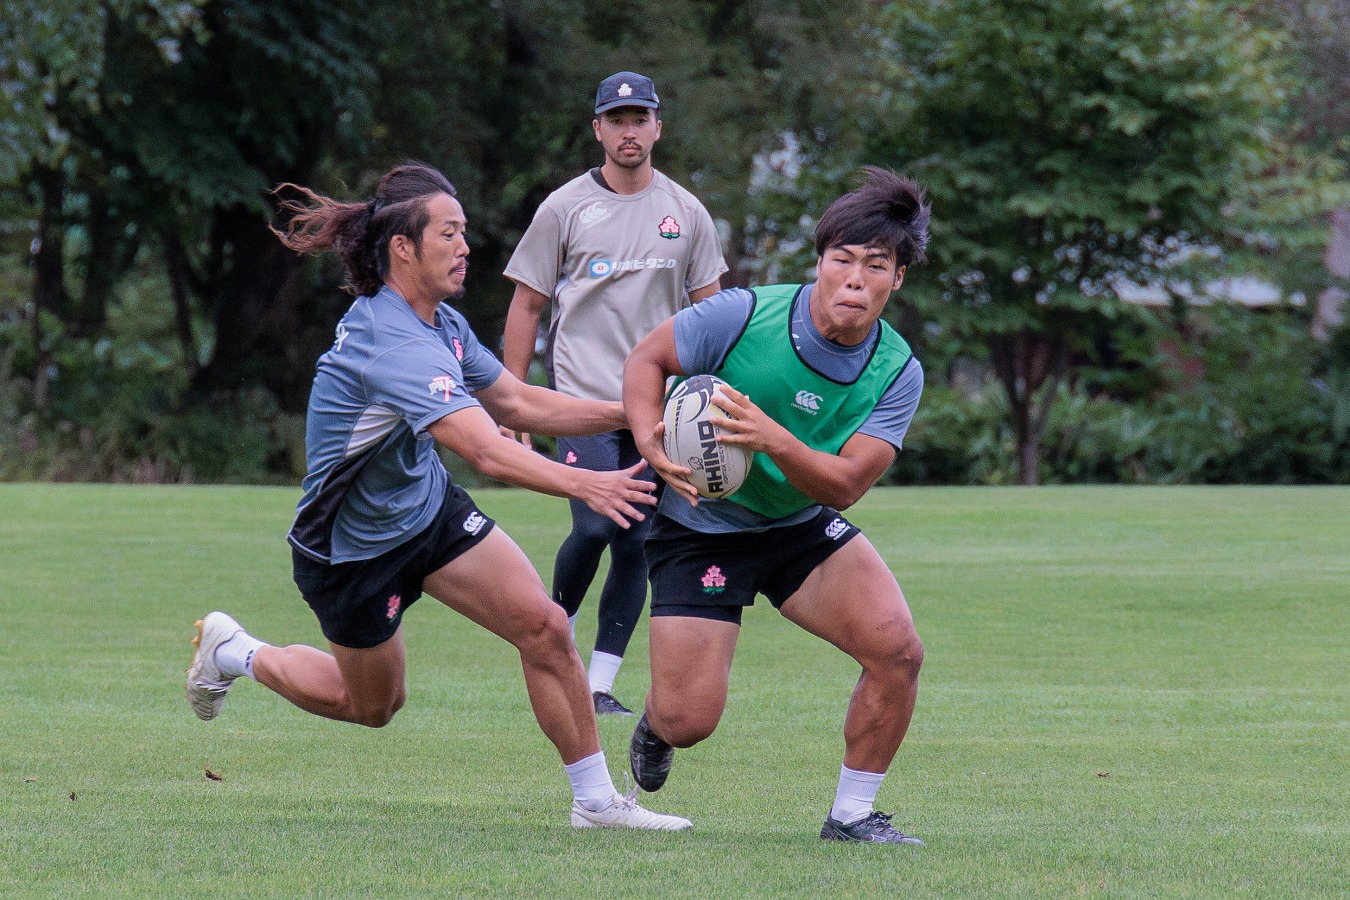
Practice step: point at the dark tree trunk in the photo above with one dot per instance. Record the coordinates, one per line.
(181, 284)
(247, 303)
(1029, 366)
(49, 276)
(103, 266)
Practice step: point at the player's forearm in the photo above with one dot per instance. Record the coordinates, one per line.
(644, 387)
(542, 411)
(507, 461)
(824, 477)
(518, 341)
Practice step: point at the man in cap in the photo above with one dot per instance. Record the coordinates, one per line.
(615, 252)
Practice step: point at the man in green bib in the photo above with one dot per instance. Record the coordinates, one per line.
(834, 389)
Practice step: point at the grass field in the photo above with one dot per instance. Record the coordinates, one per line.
(1138, 692)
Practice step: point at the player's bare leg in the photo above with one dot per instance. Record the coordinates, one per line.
(691, 670)
(365, 686)
(495, 586)
(853, 601)
(361, 686)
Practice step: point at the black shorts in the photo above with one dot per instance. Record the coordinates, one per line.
(714, 576)
(361, 603)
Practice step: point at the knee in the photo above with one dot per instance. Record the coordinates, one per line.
(628, 548)
(901, 658)
(381, 715)
(684, 728)
(593, 530)
(547, 633)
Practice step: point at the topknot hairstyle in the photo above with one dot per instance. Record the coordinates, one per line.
(888, 211)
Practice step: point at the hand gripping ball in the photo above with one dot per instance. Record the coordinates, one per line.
(717, 470)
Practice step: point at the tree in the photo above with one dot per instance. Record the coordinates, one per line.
(506, 110)
(54, 57)
(1320, 30)
(142, 137)
(1065, 142)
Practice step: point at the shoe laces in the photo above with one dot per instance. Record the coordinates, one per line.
(629, 796)
(881, 822)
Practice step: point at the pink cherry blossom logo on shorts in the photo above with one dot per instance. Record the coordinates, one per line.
(714, 582)
(395, 602)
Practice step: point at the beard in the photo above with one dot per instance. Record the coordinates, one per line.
(629, 162)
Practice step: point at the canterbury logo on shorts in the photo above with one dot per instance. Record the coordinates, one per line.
(475, 522)
(836, 528)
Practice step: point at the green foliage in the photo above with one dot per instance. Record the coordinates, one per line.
(1257, 415)
(116, 413)
(1264, 406)
(1066, 144)
(957, 438)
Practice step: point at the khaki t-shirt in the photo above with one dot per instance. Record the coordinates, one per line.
(615, 266)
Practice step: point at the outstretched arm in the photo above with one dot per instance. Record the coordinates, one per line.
(529, 408)
(471, 434)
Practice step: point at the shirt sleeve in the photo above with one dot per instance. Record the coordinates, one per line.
(538, 258)
(706, 332)
(890, 419)
(421, 381)
(705, 262)
(480, 367)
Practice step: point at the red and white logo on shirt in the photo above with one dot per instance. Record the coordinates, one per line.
(443, 385)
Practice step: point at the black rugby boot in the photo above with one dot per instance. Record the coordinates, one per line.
(874, 828)
(605, 702)
(649, 756)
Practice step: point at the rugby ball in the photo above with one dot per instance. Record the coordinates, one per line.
(717, 470)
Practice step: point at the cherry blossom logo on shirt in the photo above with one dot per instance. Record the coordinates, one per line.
(459, 349)
(395, 603)
(669, 228)
(443, 385)
(714, 582)
(571, 458)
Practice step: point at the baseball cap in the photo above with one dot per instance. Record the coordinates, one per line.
(626, 89)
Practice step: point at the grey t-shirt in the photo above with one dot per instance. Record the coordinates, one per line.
(705, 334)
(615, 266)
(375, 479)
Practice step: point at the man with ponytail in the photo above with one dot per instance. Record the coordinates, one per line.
(833, 390)
(381, 521)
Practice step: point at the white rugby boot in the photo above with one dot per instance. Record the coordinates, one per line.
(206, 684)
(624, 812)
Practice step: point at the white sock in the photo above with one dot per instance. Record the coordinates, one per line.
(572, 621)
(235, 656)
(857, 790)
(591, 785)
(604, 667)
